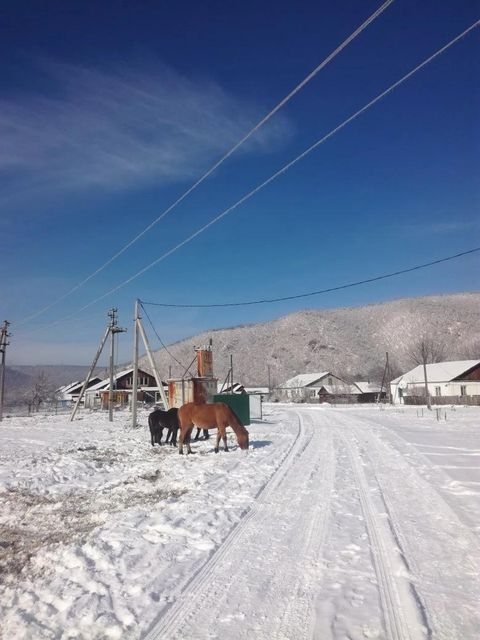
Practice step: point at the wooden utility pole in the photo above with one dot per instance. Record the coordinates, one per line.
(427, 392)
(135, 366)
(386, 379)
(140, 331)
(87, 379)
(4, 335)
(108, 332)
(112, 314)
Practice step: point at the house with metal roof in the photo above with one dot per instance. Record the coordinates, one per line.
(97, 394)
(447, 382)
(325, 386)
(70, 392)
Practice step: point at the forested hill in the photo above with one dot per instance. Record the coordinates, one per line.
(351, 342)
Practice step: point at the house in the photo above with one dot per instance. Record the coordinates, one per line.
(448, 383)
(326, 387)
(369, 391)
(97, 395)
(338, 391)
(69, 393)
(323, 386)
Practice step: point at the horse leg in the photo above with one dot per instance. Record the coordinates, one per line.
(188, 439)
(221, 434)
(185, 437)
(206, 434)
(173, 441)
(224, 438)
(197, 435)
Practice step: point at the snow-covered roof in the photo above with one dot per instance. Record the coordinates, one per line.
(68, 387)
(368, 387)
(342, 388)
(304, 380)
(104, 383)
(437, 372)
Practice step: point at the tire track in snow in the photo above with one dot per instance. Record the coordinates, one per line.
(398, 625)
(237, 607)
(441, 554)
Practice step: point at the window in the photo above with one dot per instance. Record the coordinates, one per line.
(463, 390)
(438, 391)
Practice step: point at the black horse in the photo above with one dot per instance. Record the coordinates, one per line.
(159, 420)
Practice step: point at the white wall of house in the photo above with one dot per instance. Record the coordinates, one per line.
(435, 389)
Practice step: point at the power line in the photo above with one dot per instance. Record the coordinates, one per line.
(281, 171)
(263, 121)
(159, 339)
(288, 166)
(314, 293)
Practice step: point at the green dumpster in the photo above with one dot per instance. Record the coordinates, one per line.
(238, 402)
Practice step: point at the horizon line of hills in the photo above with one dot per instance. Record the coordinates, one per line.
(349, 342)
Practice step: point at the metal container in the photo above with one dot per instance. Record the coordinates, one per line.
(238, 402)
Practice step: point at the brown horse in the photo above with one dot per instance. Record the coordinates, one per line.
(217, 415)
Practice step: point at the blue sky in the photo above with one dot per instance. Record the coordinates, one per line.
(110, 111)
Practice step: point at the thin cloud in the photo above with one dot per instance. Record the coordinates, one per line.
(443, 228)
(115, 129)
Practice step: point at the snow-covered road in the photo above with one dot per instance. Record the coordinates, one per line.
(338, 523)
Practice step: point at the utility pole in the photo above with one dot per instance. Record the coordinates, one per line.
(4, 335)
(135, 366)
(108, 333)
(140, 332)
(386, 379)
(112, 314)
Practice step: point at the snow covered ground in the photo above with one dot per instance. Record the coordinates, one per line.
(338, 523)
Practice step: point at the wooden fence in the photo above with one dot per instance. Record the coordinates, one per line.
(441, 400)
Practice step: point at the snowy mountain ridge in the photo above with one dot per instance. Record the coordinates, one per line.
(351, 342)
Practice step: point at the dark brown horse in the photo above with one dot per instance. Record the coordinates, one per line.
(159, 420)
(216, 415)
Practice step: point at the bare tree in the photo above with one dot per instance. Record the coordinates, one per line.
(470, 350)
(427, 351)
(42, 391)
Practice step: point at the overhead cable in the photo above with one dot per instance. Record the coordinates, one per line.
(313, 293)
(281, 171)
(159, 338)
(263, 121)
(285, 168)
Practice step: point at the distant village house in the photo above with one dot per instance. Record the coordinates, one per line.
(455, 382)
(327, 387)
